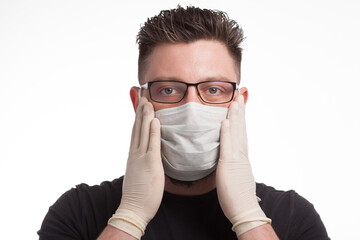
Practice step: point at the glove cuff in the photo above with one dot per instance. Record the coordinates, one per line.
(128, 222)
(249, 220)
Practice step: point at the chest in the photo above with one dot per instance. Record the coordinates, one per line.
(189, 220)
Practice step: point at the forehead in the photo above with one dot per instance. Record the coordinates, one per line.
(191, 62)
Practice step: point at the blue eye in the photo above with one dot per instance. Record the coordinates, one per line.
(213, 90)
(167, 91)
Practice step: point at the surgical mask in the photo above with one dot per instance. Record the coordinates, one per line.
(190, 140)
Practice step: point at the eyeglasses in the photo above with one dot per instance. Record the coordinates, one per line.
(213, 92)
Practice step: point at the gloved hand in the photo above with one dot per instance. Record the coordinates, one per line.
(235, 182)
(144, 179)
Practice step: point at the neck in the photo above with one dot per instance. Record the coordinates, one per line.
(198, 187)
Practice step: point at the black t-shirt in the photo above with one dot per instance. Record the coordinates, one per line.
(83, 212)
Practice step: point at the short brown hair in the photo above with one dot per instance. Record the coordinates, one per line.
(182, 25)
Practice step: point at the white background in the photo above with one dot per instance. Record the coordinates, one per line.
(66, 68)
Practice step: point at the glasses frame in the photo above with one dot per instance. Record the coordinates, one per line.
(148, 86)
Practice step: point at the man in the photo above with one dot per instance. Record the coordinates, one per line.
(188, 175)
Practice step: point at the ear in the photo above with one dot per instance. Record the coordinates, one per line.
(244, 92)
(134, 95)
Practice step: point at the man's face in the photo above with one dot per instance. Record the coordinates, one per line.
(195, 62)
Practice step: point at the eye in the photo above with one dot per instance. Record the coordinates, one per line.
(167, 91)
(213, 90)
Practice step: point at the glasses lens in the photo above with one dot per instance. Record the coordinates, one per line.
(167, 92)
(216, 92)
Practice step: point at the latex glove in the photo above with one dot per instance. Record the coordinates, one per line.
(235, 182)
(144, 179)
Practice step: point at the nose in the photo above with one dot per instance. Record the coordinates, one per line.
(192, 95)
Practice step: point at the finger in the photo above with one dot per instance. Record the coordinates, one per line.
(237, 125)
(154, 139)
(133, 128)
(240, 99)
(225, 140)
(137, 124)
(242, 126)
(148, 115)
(234, 121)
(132, 135)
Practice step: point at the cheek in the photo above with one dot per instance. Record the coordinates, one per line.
(159, 106)
(225, 105)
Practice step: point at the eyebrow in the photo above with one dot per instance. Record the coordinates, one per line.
(211, 79)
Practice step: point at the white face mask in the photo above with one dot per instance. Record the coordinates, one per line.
(190, 139)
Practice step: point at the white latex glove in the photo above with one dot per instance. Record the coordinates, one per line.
(144, 179)
(235, 182)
